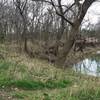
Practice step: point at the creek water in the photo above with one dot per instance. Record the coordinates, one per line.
(89, 66)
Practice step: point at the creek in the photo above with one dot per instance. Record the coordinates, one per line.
(89, 65)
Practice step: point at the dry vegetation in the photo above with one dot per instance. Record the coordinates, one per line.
(24, 78)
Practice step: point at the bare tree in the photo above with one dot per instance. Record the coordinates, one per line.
(22, 8)
(44, 20)
(74, 23)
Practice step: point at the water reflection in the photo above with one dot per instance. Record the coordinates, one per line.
(89, 66)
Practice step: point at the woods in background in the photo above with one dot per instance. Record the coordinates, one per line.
(50, 24)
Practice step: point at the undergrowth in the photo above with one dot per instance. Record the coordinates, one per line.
(22, 78)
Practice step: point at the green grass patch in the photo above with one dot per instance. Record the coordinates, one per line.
(59, 84)
(4, 65)
(34, 85)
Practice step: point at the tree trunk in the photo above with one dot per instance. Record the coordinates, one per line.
(25, 45)
(75, 28)
(24, 34)
(70, 39)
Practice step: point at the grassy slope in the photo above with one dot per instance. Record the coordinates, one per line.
(22, 78)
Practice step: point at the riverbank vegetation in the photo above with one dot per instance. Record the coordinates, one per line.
(25, 78)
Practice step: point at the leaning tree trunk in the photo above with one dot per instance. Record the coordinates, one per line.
(75, 27)
(70, 39)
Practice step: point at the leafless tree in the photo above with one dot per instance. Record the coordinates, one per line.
(22, 9)
(43, 20)
(61, 10)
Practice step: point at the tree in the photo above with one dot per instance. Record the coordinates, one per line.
(22, 8)
(61, 10)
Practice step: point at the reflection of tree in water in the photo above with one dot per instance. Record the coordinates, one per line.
(89, 66)
(98, 68)
(97, 59)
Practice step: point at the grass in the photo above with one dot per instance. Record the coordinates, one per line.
(33, 85)
(22, 78)
(10, 78)
(4, 65)
(58, 94)
(90, 94)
